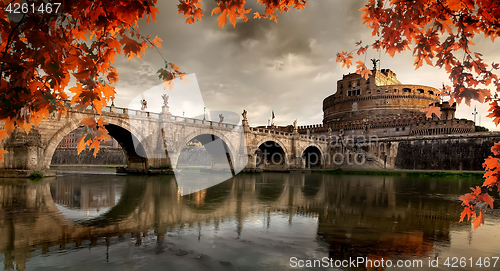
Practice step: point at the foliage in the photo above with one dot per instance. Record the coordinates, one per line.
(234, 9)
(35, 175)
(481, 129)
(42, 48)
(440, 33)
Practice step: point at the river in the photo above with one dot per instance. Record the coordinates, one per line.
(94, 219)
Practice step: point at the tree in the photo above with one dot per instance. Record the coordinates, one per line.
(441, 33)
(45, 43)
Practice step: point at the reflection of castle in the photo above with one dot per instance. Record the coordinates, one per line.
(382, 106)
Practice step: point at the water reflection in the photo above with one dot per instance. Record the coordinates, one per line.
(285, 215)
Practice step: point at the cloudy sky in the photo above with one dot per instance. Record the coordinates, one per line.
(261, 66)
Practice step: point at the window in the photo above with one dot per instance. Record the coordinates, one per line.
(420, 90)
(406, 90)
(403, 128)
(431, 92)
(354, 92)
(397, 129)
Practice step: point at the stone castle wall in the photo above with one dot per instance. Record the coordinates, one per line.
(440, 152)
(190, 156)
(105, 156)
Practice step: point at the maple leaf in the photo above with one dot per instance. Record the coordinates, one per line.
(95, 144)
(478, 221)
(130, 47)
(3, 133)
(169, 84)
(486, 198)
(432, 110)
(466, 212)
(89, 122)
(80, 144)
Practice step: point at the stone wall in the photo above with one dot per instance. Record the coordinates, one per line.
(445, 152)
(105, 156)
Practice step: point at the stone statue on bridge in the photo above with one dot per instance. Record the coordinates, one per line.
(221, 118)
(244, 114)
(165, 99)
(295, 125)
(144, 104)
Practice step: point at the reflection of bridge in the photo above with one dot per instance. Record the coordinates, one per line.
(156, 140)
(346, 209)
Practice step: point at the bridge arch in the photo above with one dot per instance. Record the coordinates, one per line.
(205, 137)
(273, 139)
(119, 129)
(271, 154)
(313, 156)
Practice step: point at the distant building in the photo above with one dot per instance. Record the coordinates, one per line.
(381, 105)
(69, 141)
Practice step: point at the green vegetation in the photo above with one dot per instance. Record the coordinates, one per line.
(35, 175)
(481, 129)
(468, 174)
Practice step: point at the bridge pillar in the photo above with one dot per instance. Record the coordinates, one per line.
(25, 154)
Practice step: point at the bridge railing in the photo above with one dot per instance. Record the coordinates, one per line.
(141, 113)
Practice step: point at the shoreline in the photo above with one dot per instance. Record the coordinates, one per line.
(405, 172)
(392, 172)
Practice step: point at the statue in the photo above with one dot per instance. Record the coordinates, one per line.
(329, 132)
(221, 118)
(165, 99)
(374, 62)
(244, 114)
(144, 105)
(295, 124)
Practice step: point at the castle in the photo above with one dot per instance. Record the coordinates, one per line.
(381, 105)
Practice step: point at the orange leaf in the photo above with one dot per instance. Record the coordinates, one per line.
(479, 220)
(2, 152)
(486, 198)
(9, 125)
(80, 144)
(90, 122)
(222, 19)
(169, 84)
(3, 134)
(95, 144)
(466, 212)
(432, 110)
(183, 78)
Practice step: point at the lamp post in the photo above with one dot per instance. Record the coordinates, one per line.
(204, 110)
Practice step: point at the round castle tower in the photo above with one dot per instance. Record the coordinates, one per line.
(379, 96)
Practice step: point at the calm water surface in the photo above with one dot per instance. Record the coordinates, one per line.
(92, 219)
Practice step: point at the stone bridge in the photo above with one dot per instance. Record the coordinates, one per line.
(156, 140)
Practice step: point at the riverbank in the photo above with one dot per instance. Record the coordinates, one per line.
(405, 173)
